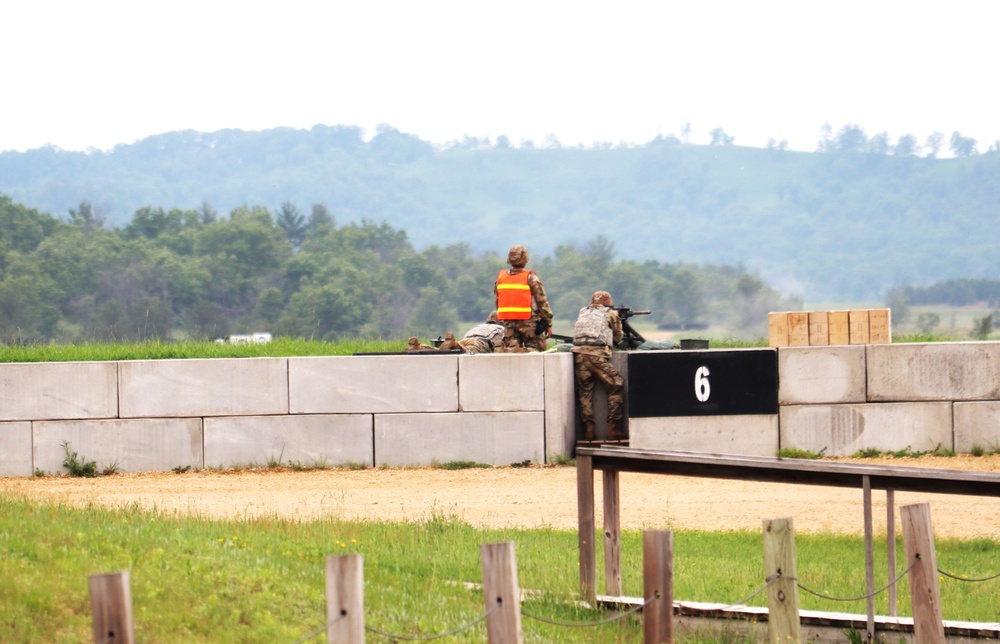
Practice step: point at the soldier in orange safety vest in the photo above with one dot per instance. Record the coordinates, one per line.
(522, 306)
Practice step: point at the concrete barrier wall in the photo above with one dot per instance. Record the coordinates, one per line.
(838, 400)
(496, 409)
(161, 415)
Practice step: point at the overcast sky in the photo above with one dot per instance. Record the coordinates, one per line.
(99, 73)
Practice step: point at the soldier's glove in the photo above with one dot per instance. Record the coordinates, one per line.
(541, 327)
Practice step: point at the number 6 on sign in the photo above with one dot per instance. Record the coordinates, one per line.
(702, 388)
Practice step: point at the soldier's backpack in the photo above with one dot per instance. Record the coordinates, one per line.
(592, 328)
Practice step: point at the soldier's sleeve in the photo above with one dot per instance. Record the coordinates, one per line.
(616, 325)
(538, 292)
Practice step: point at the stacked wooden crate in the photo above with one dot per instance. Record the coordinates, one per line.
(822, 328)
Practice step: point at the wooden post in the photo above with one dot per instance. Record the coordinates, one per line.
(658, 581)
(890, 530)
(866, 485)
(612, 536)
(783, 593)
(586, 526)
(111, 607)
(921, 560)
(345, 599)
(503, 625)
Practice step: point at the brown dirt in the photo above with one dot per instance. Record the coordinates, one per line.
(516, 497)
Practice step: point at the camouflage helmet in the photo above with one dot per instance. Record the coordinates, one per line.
(517, 256)
(601, 298)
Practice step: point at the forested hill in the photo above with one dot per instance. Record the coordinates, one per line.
(845, 224)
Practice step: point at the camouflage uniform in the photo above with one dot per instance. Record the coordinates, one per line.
(594, 361)
(520, 335)
(483, 338)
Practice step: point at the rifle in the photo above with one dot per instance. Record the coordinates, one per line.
(631, 338)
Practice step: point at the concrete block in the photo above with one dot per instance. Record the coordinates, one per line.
(833, 374)
(329, 440)
(560, 406)
(977, 424)
(933, 371)
(491, 438)
(58, 390)
(210, 387)
(501, 382)
(15, 449)
(842, 430)
(134, 445)
(749, 435)
(373, 384)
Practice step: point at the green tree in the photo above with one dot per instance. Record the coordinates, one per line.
(293, 223)
(982, 327)
(962, 146)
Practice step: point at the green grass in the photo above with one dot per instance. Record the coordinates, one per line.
(262, 580)
(279, 347)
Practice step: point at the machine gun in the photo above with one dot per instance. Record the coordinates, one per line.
(631, 339)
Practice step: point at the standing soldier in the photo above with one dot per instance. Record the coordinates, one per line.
(597, 329)
(522, 306)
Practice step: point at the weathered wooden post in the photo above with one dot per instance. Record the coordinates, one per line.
(612, 534)
(921, 560)
(111, 607)
(658, 581)
(586, 526)
(345, 599)
(783, 592)
(503, 623)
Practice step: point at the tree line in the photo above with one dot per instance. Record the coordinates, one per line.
(198, 275)
(863, 214)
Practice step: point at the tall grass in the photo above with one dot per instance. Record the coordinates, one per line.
(261, 580)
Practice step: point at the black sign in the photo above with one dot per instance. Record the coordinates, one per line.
(702, 383)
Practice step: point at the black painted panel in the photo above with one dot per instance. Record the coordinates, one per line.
(702, 383)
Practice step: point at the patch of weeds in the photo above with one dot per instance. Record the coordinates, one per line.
(39, 472)
(977, 450)
(78, 466)
(868, 452)
(110, 469)
(273, 462)
(463, 465)
(525, 463)
(354, 466)
(853, 636)
(800, 453)
(563, 459)
(942, 451)
(181, 469)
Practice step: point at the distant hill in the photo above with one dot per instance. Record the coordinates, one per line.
(831, 226)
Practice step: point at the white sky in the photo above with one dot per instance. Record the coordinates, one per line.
(99, 73)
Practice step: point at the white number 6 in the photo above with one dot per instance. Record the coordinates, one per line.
(702, 388)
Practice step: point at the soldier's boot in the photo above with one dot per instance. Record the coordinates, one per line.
(613, 433)
(588, 431)
(413, 344)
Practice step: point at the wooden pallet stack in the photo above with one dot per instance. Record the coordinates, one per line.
(823, 328)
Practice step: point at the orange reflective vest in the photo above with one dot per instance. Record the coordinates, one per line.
(513, 296)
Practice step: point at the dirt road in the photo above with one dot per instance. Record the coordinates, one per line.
(516, 497)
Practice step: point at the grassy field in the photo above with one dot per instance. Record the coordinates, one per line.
(263, 580)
